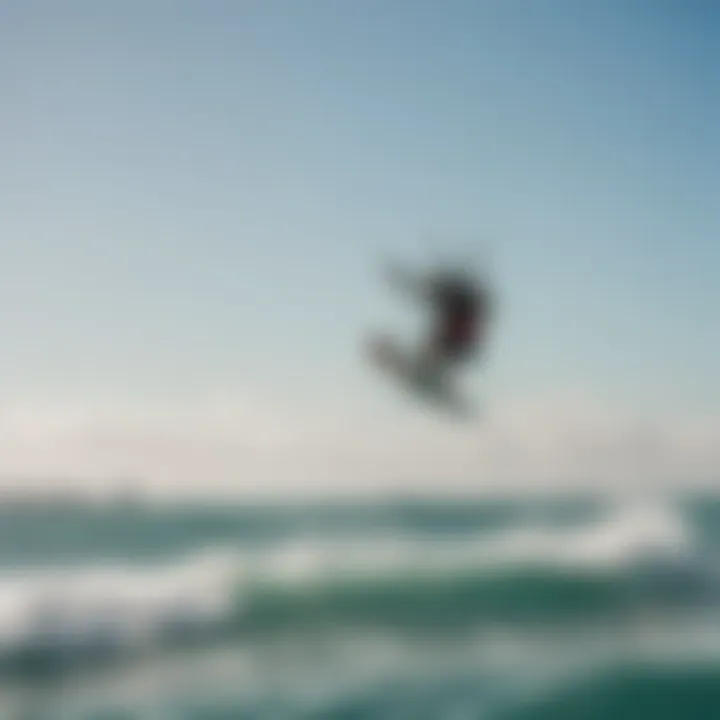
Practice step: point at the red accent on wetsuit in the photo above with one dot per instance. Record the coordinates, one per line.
(459, 331)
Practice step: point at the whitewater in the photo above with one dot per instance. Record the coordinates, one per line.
(494, 609)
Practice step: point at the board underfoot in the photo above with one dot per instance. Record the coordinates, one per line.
(406, 368)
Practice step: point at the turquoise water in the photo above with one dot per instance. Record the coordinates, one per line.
(568, 608)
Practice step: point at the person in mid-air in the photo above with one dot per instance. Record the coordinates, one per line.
(461, 308)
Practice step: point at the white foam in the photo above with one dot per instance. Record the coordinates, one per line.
(138, 606)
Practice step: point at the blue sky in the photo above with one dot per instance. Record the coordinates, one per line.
(195, 195)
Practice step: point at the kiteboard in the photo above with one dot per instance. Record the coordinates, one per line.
(401, 366)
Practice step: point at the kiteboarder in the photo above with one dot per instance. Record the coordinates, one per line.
(461, 308)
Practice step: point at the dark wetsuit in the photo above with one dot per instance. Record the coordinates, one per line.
(461, 312)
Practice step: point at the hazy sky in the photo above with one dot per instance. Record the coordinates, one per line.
(195, 195)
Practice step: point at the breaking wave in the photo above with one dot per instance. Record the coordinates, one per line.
(635, 559)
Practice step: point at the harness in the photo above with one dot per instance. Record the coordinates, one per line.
(458, 315)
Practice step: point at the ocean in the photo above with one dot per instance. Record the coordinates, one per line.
(574, 608)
